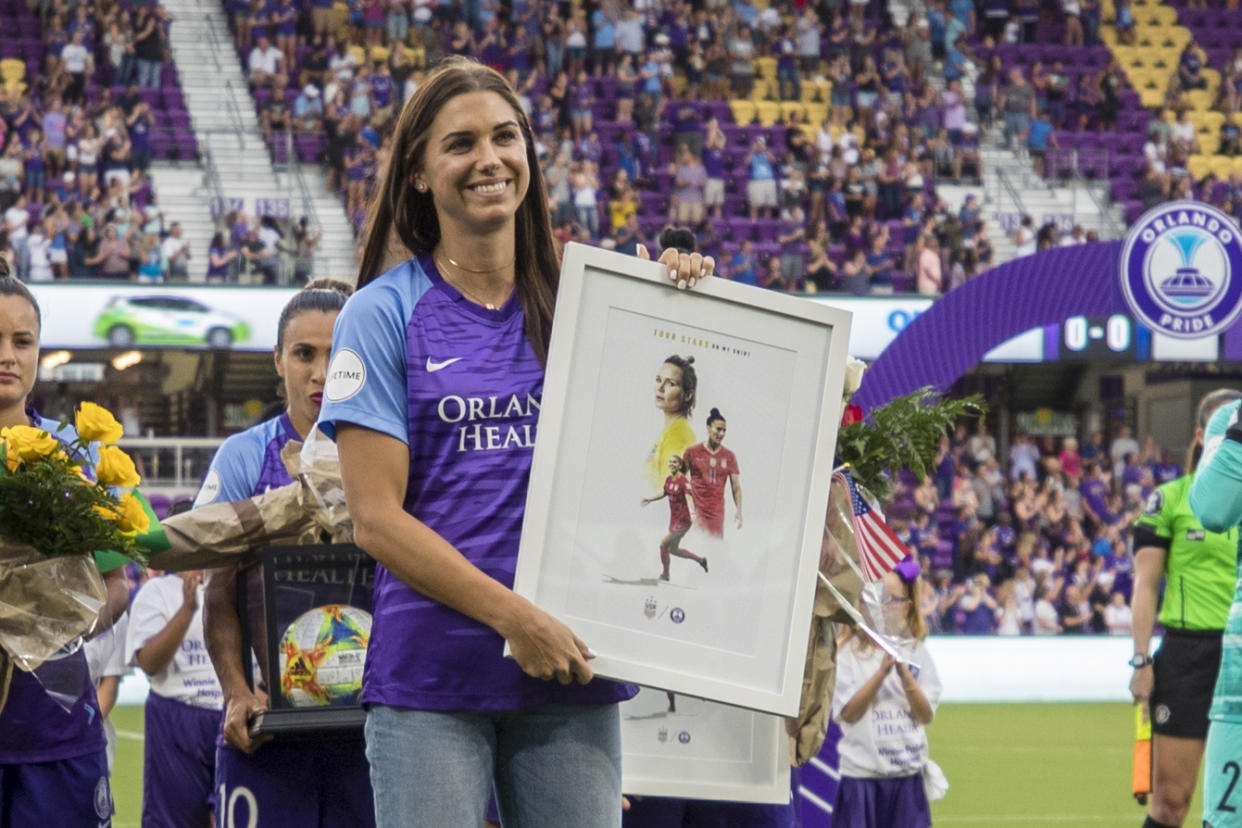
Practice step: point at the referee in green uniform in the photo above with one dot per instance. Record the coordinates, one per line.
(1198, 569)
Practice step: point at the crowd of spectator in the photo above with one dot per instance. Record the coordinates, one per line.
(824, 125)
(1037, 541)
(75, 191)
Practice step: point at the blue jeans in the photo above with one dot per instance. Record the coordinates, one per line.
(149, 73)
(552, 765)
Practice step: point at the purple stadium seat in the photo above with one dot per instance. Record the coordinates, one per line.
(159, 504)
(903, 282)
(741, 229)
(187, 145)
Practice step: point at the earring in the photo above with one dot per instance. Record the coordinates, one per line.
(421, 187)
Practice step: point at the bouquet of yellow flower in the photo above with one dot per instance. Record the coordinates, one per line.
(59, 516)
(58, 497)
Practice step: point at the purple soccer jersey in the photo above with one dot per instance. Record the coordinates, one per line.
(460, 386)
(296, 784)
(53, 767)
(248, 464)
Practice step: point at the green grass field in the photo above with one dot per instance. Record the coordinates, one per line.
(1009, 766)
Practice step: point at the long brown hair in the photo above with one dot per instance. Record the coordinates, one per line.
(402, 221)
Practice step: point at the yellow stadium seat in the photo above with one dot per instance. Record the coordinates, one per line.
(768, 112)
(679, 83)
(358, 54)
(1159, 15)
(1200, 99)
(765, 67)
(1198, 166)
(809, 130)
(763, 90)
(743, 111)
(1221, 166)
(1208, 144)
(12, 69)
(788, 107)
(816, 114)
(1237, 165)
(1210, 120)
(378, 54)
(1151, 98)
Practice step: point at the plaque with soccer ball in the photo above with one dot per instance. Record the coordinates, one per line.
(307, 618)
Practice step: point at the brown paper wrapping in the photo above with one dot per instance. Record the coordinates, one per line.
(45, 604)
(309, 510)
(837, 553)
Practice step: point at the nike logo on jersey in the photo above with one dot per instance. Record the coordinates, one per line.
(433, 366)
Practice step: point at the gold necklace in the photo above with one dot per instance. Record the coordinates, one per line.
(471, 270)
(472, 297)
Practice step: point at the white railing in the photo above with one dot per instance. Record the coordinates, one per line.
(172, 463)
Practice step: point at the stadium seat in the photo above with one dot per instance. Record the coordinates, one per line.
(1198, 166)
(768, 112)
(743, 111)
(1221, 166)
(12, 69)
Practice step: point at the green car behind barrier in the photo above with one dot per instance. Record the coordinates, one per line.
(161, 319)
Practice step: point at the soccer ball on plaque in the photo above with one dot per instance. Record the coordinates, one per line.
(322, 654)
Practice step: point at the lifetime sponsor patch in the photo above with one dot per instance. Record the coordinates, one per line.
(210, 489)
(1162, 714)
(1195, 534)
(1155, 503)
(347, 375)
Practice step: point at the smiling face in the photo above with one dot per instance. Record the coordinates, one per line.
(19, 351)
(475, 164)
(302, 364)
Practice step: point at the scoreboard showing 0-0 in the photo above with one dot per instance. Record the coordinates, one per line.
(1094, 338)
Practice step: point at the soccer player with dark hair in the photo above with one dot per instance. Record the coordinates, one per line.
(711, 465)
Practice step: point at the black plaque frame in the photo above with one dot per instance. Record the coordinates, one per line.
(274, 586)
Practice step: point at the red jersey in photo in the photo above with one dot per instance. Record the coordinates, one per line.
(679, 511)
(708, 473)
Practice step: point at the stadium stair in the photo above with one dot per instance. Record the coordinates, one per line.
(1065, 205)
(223, 116)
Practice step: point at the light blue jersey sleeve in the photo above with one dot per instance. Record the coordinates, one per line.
(1216, 493)
(366, 382)
(235, 469)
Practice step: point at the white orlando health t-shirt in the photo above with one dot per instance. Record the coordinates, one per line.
(189, 678)
(886, 741)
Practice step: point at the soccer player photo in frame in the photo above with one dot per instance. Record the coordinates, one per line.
(688, 748)
(677, 496)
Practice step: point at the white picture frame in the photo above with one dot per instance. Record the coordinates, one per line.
(591, 554)
(702, 750)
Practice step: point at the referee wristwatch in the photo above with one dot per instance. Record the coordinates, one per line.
(1140, 660)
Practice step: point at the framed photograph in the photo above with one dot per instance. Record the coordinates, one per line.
(680, 746)
(680, 476)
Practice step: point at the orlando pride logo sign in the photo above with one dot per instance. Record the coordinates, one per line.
(1181, 270)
